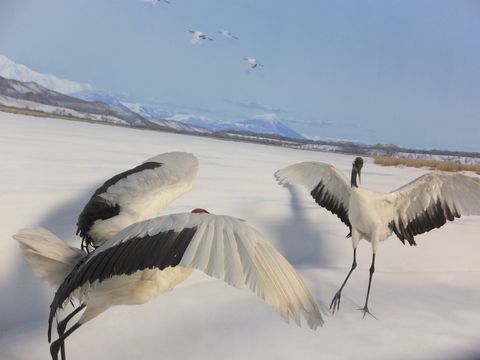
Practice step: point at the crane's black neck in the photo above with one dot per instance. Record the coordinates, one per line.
(353, 181)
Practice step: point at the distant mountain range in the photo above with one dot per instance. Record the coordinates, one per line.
(26, 91)
(101, 96)
(34, 97)
(256, 125)
(64, 94)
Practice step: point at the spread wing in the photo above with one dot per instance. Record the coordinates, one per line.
(432, 199)
(327, 185)
(134, 195)
(221, 246)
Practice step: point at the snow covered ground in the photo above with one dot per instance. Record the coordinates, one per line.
(427, 299)
(58, 110)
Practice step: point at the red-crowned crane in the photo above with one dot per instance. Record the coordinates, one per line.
(227, 34)
(152, 256)
(420, 206)
(198, 37)
(253, 63)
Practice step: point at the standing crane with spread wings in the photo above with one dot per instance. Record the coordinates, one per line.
(131, 256)
(420, 206)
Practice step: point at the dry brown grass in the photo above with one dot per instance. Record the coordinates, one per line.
(431, 164)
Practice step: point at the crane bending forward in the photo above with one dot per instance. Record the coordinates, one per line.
(420, 206)
(150, 257)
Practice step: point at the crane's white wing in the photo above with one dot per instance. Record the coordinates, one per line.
(432, 199)
(327, 185)
(221, 246)
(137, 194)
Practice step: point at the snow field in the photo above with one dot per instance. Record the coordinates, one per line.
(427, 299)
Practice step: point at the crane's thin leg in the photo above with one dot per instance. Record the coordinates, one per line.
(365, 308)
(335, 304)
(55, 346)
(63, 324)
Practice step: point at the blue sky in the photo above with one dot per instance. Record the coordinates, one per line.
(402, 72)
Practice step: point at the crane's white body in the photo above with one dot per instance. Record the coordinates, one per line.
(134, 289)
(52, 260)
(369, 213)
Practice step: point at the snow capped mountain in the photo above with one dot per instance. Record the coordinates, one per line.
(12, 70)
(149, 112)
(200, 121)
(267, 125)
(163, 118)
(101, 96)
(261, 124)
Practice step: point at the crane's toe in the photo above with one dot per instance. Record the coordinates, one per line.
(366, 311)
(335, 304)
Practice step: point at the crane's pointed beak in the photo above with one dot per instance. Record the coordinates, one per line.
(359, 172)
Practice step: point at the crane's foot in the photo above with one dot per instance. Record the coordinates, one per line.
(366, 311)
(335, 304)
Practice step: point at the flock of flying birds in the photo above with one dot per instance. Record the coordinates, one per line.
(129, 253)
(199, 37)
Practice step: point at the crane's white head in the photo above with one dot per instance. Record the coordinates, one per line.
(356, 170)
